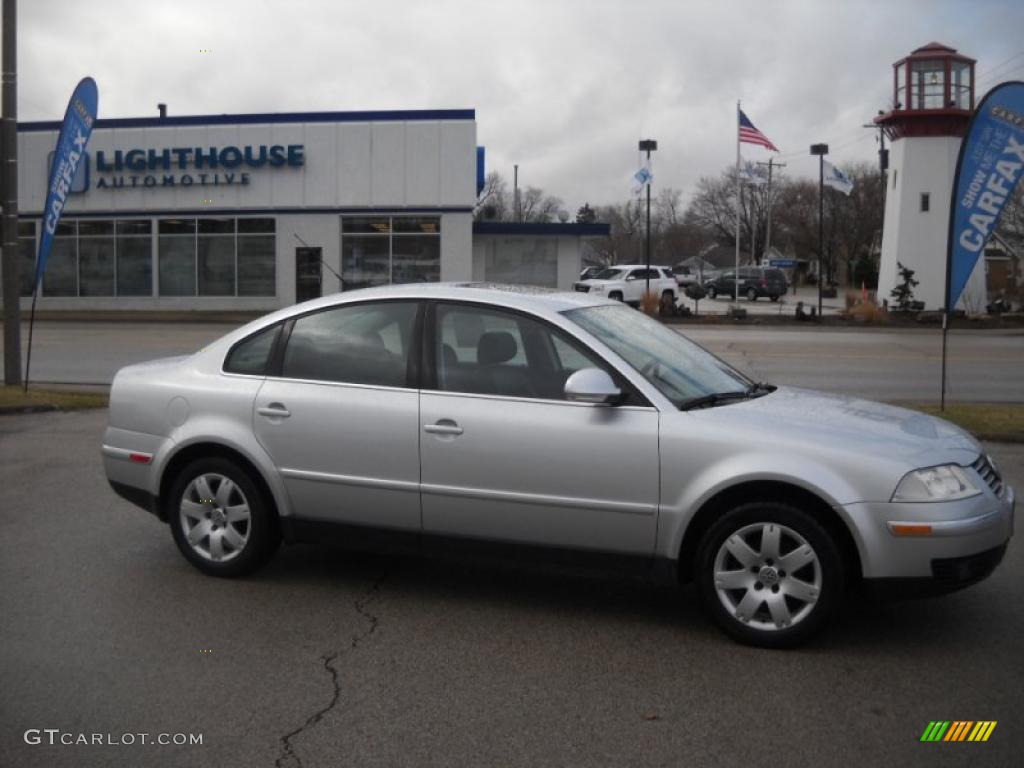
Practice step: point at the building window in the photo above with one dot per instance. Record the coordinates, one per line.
(61, 276)
(928, 80)
(925, 202)
(176, 248)
(257, 258)
(522, 261)
(95, 257)
(27, 255)
(134, 257)
(378, 250)
(217, 257)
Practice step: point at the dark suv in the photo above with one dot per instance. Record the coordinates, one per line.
(754, 282)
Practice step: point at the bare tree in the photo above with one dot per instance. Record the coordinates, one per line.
(496, 204)
(535, 205)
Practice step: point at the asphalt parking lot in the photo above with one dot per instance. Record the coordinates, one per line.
(331, 659)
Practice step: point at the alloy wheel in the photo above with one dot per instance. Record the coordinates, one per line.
(767, 576)
(215, 517)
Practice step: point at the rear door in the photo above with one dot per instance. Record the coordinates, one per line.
(341, 420)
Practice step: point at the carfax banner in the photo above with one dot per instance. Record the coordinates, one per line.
(71, 143)
(987, 171)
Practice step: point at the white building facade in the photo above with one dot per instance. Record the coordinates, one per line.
(252, 212)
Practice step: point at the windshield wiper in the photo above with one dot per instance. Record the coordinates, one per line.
(757, 389)
(705, 401)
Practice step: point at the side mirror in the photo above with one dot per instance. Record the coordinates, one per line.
(592, 385)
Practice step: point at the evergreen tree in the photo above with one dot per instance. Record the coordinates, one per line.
(903, 294)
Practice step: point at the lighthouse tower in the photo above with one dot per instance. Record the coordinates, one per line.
(933, 98)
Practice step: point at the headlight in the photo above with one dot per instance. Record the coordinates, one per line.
(945, 483)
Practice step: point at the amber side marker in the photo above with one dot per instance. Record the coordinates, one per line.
(911, 530)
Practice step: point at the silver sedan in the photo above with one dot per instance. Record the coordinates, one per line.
(518, 422)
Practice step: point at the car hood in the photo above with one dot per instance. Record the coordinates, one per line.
(851, 425)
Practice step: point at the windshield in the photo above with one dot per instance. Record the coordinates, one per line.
(608, 274)
(680, 369)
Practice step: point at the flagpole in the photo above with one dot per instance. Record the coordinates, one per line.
(736, 274)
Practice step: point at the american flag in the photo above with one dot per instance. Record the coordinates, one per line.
(751, 135)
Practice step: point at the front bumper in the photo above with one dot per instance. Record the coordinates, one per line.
(953, 543)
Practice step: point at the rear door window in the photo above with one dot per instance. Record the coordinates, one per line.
(355, 344)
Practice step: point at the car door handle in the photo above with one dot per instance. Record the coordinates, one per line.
(443, 427)
(274, 410)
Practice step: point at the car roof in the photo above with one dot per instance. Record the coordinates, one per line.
(523, 297)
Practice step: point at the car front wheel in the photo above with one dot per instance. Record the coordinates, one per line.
(752, 294)
(615, 295)
(220, 520)
(712, 292)
(769, 574)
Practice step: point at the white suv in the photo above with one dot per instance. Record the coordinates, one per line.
(627, 282)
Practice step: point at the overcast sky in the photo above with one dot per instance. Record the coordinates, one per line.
(564, 88)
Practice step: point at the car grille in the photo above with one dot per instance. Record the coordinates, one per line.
(988, 473)
(581, 288)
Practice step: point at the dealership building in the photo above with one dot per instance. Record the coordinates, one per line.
(257, 211)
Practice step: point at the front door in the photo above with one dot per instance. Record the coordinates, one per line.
(504, 457)
(341, 423)
(307, 273)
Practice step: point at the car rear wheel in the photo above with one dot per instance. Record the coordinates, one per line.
(615, 295)
(774, 298)
(712, 292)
(752, 294)
(220, 519)
(769, 574)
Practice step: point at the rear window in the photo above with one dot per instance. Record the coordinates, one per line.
(252, 355)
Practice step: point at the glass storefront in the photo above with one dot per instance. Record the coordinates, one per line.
(194, 257)
(381, 250)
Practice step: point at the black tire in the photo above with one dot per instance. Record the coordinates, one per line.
(810, 593)
(774, 298)
(752, 294)
(712, 292)
(615, 295)
(259, 533)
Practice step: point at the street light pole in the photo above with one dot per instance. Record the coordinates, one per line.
(9, 184)
(820, 150)
(648, 146)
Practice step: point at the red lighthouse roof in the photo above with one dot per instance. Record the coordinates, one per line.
(933, 93)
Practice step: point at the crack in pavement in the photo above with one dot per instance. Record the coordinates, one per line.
(288, 758)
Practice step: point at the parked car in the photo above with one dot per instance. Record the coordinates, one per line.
(684, 275)
(754, 282)
(552, 425)
(627, 282)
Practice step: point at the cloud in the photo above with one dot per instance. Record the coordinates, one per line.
(563, 88)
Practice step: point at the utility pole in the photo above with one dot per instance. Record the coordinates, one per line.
(515, 192)
(768, 225)
(648, 145)
(9, 198)
(820, 150)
